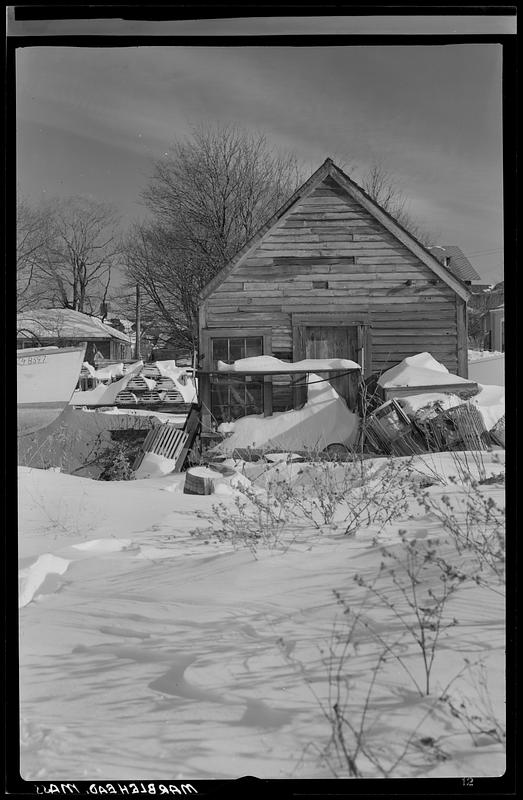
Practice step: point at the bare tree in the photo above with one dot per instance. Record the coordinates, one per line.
(170, 282)
(207, 197)
(33, 234)
(81, 252)
(382, 186)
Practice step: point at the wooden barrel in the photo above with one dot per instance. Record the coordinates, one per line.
(200, 480)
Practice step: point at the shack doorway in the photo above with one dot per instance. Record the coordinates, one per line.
(333, 341)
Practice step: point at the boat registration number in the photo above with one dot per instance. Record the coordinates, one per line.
(25, 360)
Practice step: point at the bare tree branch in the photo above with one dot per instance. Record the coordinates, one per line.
(207, 198)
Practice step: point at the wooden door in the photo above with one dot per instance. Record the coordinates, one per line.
(329, 341)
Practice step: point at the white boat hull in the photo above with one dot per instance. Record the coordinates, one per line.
(46, 380)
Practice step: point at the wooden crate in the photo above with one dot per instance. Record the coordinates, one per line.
(171, 442)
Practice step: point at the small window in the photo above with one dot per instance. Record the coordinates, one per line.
(320, 284)
(233, 396)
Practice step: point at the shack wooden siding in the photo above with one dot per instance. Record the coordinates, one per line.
(329, 256)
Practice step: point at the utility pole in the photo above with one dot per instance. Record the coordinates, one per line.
(138, 325)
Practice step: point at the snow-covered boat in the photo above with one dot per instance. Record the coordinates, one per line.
(46, 379)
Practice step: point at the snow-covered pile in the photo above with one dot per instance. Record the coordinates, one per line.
(105, 395)
(424, 370)
(428, 404)
(490, 402)
(323, 420)
(272, 364)
(419, 370)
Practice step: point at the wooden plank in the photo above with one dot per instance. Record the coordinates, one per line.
(333, 216)
(405, 391)
(345, 244)
(254, 261)
(376, 291)
(332, 191)
(191, 427)
(309, 261)
(422, 342)
(241, 321)
(312, 224)
(329, 319)
(262, 285)
(230, 286)
(371, 295)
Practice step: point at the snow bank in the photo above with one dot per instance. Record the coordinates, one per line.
(324, 419)
(419, 370)
(112, 545)
(32, 577)
(272, 364)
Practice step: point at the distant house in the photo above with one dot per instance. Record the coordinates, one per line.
(487, 318)
(454, 259)
(66, 328)
(330, 274)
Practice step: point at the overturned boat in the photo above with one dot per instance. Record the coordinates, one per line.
(46, 380)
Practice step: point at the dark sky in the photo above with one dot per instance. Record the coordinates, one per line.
(93, 121)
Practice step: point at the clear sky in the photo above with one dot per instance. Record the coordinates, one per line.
(93, 121)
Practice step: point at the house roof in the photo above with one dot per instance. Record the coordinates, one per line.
(458, 264)
(51, 323)
(329, 168)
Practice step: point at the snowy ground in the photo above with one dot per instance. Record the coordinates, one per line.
(147, 652)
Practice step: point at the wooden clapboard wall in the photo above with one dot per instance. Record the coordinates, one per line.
(328, 255)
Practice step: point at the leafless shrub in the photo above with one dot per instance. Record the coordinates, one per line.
(476, 523)
(256, 518)
(476, 713)
(403, 586)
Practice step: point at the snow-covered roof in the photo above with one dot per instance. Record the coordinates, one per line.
(64, 323)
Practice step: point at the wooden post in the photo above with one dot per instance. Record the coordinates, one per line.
(137, 352)
(462, 335)
(267, 395)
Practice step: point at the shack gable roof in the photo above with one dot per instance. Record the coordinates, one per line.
(64, 323)
(329, 169)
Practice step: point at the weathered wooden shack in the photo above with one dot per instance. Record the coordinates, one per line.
(330, 275)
